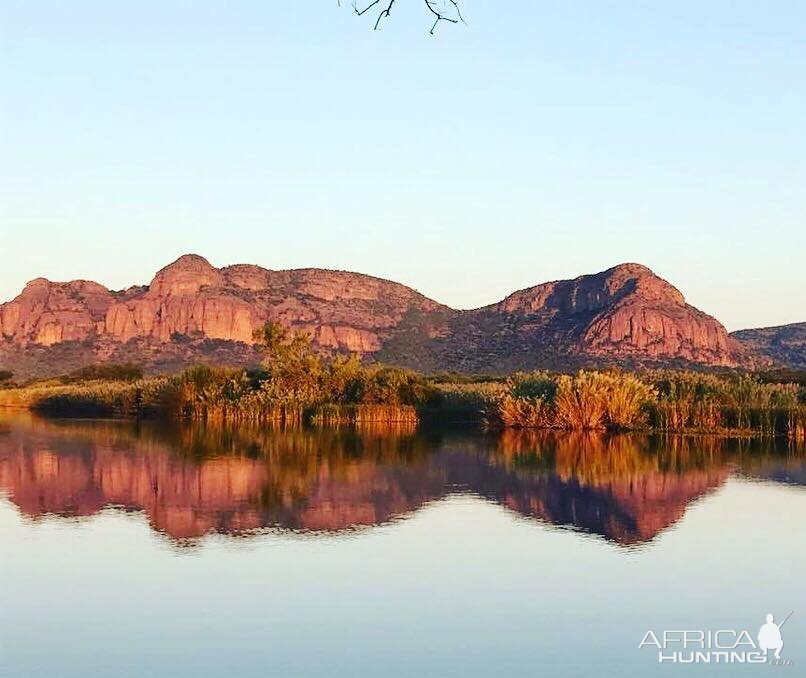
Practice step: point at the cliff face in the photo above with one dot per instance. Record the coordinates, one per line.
(48, 313)
(784, 345)
(192, 310)
(623, 316)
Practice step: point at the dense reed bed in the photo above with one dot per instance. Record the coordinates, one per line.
(364, 414)
(97, 398)
(661, 401)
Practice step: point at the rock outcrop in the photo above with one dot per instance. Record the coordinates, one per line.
(48, 313)
(782, 346)
(193, 311)
(623, 316)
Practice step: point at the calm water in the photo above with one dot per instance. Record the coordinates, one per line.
(132, 550)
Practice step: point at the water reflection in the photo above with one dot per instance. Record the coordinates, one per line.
(193, 480)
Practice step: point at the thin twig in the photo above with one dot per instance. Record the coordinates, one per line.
(439, 16)
(386, 11)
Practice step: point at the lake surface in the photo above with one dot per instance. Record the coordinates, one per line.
(144, 550)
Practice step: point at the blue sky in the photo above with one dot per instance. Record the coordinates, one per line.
(541, 141)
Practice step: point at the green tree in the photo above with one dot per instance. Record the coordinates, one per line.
(294, 370)
(345, 379)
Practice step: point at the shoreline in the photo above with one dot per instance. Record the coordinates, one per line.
(342, 391)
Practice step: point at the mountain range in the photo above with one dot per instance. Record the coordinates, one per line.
(194, 312)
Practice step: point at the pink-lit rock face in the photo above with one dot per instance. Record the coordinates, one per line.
(191, 298)
(623, 314)
(626, 313)
(662, 330)
(187, 275)
(48, 313)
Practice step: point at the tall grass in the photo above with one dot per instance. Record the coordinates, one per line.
(534, 412)
(587, 401)
(702, 402)
(361, 414)
(661, 401)
(90, 399)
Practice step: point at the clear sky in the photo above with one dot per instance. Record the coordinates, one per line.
(541, 141)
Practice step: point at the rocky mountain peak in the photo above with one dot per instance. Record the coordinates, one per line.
(638, 279)
(589, 293)
(37, 283)
(187, 275)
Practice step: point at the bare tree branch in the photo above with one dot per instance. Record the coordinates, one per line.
(455, 4)
(439, 16)
(434, 8)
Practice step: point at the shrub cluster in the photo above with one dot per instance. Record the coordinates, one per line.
(107, 371)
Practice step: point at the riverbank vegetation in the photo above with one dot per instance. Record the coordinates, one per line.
(297, 385)
(665, 401)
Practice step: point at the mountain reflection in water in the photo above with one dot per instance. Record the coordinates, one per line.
(194, 479)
